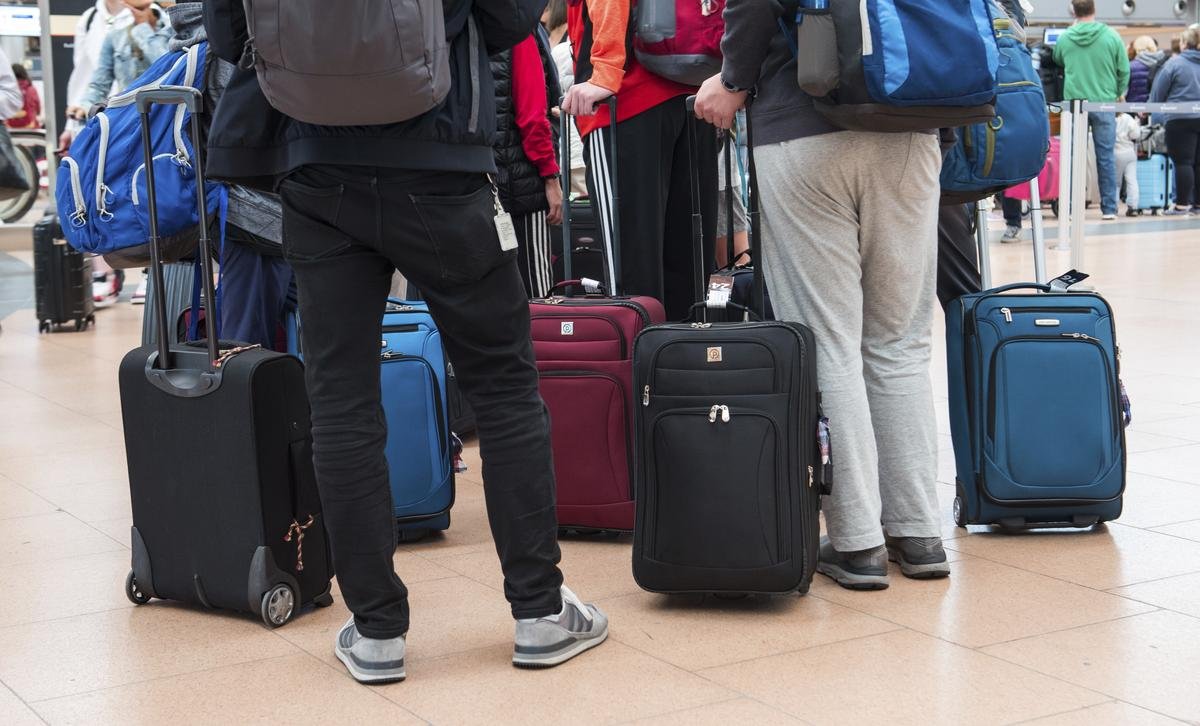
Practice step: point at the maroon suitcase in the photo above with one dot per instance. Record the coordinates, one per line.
(584, 350)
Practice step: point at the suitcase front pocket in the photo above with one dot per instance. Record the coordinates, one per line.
(589, 431)
(1053, 420)
(716, 495)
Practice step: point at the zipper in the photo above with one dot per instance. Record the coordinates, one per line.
(616, 328)
(1007, 313)
(719, 410)
(711, 341)
(1015, 84)
(989, 154)
(102, 191)
(402, 328)
(473, 56)
(79, 216)
(573, 302)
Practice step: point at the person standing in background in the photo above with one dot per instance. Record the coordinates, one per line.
(1144, 61)
(1129, 132)
(554, 20)
(1096, 64)
(29, 117)
(1179, 82)
(526, 166)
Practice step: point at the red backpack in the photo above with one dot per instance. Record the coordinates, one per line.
(679, 40)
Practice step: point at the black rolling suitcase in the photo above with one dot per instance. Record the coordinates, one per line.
(62, 279)
(729, 470)
(225, 506)
(587, 253)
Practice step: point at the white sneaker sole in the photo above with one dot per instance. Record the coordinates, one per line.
(551, 660)
(362, 676)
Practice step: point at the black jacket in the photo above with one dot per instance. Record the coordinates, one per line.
(254, 144)
(522, 190)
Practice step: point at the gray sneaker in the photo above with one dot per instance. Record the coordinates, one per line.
(861, 570)
(370, 660)
(921, 558)
(554, 639)
(1011, 234)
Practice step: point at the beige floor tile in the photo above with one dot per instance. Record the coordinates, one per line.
(448, 615)
(45, 537)
(17, 501)
(69, 465)
(1148, 660)
(1181, 463)
(1181, 594)
(595, 568)
(15, 713)
(93, 501)
(92, 434)
(735, 711)
(696, 632)
(101, 650)
(1114, 713)
(290, 689)
(900, 677)
(1152, 502)
(1165, 388)
(469, 531)
(1110, 556)
(63, 587)
(984, 602)
(1187, 428)
(117, 529)
(1147, 411)
(1139, 440)
(611, 683)
(1187, 530)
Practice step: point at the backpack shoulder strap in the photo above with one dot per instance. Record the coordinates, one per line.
(90, 14)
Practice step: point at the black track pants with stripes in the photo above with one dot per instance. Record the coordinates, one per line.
(655, 203)
(533, 252)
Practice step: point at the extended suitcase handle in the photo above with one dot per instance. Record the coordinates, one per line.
(564, 153)
(169, 96)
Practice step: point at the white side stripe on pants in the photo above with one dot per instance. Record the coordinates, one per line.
(603, 181)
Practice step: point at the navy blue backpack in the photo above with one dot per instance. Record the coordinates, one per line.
(101, 186)
(1010, 148)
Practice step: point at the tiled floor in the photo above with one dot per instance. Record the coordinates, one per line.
(1089, 628)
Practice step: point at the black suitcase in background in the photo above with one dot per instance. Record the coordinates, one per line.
(62, 279)
(225, 506)
(730, 472)
(587, 254)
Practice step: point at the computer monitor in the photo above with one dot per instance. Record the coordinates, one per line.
(1050, 36)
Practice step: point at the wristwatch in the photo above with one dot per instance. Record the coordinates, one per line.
(730, 87)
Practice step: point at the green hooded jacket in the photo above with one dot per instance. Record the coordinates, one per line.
(1094, 60)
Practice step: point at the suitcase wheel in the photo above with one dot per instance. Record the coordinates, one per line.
(960, 513)
(278, 605)
(135, 594)
(324, 600)
(43, 326)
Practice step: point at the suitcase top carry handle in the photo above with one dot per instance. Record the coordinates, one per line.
(1019, 286)
(590, 286)
(758, 287)
(169, 96)
(191, 99)
(564, 119)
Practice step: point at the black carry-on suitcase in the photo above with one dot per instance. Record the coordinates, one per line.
(62, 279)
(729, 470)
(225, 506)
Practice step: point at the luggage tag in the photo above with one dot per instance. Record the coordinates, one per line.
(825, 444)
(1067, 279)
(504, 224)
(720, 289)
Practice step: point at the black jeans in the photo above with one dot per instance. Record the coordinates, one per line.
(345, 230)
(1012, 211)
(1183, 143)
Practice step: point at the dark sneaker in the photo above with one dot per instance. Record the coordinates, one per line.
(370, 660)
(861, 570)
(921, 558)
(554, 639)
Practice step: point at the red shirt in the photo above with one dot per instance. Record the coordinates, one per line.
(601, 27)
(530, 106)
(27, 118)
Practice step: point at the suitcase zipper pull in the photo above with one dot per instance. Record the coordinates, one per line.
(1007, 313)
(712, 414)
(1078, 336)
(724, 414)
(810, 476)
(646, 395)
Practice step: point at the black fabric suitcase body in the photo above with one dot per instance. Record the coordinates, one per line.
(62, 279)
(587, 251)
(225, 506)
(729, 472)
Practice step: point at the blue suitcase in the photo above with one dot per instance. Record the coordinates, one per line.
(412, 376)
(1156, 182)
(1037, 410)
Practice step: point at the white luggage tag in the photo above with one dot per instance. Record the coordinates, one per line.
(504, 224)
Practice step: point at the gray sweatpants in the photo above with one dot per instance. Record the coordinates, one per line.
(850, 247)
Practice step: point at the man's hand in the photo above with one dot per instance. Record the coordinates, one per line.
(142, 12)
(582, 99)
(554, 197)
(64, 142)
(716, 105)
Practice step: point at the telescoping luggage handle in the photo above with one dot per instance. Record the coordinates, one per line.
(612, 270)
(758, 288)
(191, 99)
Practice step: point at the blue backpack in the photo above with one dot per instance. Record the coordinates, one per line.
(896, 65)
(101, 186)
(1010, 148)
